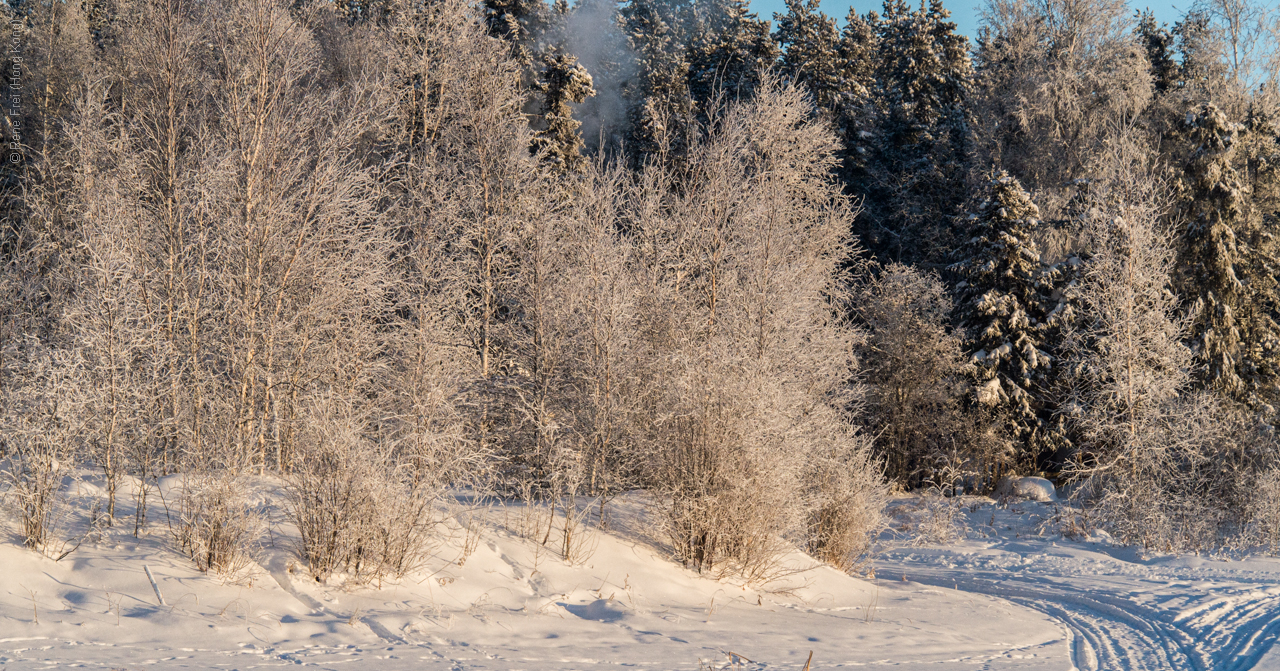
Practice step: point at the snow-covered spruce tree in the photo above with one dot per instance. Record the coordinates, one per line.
(810, 45)
(519, 23)
(1225, 267)
(922, 140)
(747, 363)
(1000, 303)
(563, 81)
(1146, 438)
(1261, 150)
(728, 49)
(1158, 41)
(857, 116)
(660, 105)
(1209, 252)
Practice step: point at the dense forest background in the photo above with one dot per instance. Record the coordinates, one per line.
(391, 250)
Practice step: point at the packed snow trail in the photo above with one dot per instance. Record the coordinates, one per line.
(1120, 611)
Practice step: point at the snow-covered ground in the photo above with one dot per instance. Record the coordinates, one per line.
(1118, 608)
(1012, 594)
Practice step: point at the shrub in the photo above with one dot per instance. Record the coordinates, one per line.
(216, 528)
(357, 510)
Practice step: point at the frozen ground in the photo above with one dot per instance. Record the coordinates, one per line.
(1012, 595)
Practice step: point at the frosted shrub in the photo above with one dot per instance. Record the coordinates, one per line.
(357, 511)
(747, 361)
(939, 521)
(216, 526)
(38, 428)
(1263, 513)
(848, 497)
(727, 497)
(916, 378)
(35, 469)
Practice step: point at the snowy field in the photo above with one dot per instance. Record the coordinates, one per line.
(1006, 590)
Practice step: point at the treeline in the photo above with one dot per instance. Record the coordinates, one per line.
(390, 249)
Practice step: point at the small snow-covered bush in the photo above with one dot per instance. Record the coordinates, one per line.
(216, 526)
(357, 509)
(35, 470)
(848, 496)
(1263, 528)
(38, 430)
(940, 520)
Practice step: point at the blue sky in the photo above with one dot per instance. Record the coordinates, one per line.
(963, 12)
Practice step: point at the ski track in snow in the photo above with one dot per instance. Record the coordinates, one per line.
(1229, 626)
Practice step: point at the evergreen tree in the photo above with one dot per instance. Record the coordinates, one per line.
(729, 49)
(1227, 266)
(564, 81)
(858, 113)
(661, 114)
(1261, 150)
(516, 21)
(1000, 303)
(810, 45)
(1159, 44)
(925, 73)
(1210, 252)
(593, 33)
(860, 52)
(924, 79)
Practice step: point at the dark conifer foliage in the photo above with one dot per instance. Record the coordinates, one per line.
(1158, 41)
(728, 50)
(811, 53)
(661, 110)
(1001, 303)
(563, 81)
(517, 21)
(919, 167)
(1226, 264)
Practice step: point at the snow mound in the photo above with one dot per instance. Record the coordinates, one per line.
(492, 596)
(1030, 488)
(600, 610)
